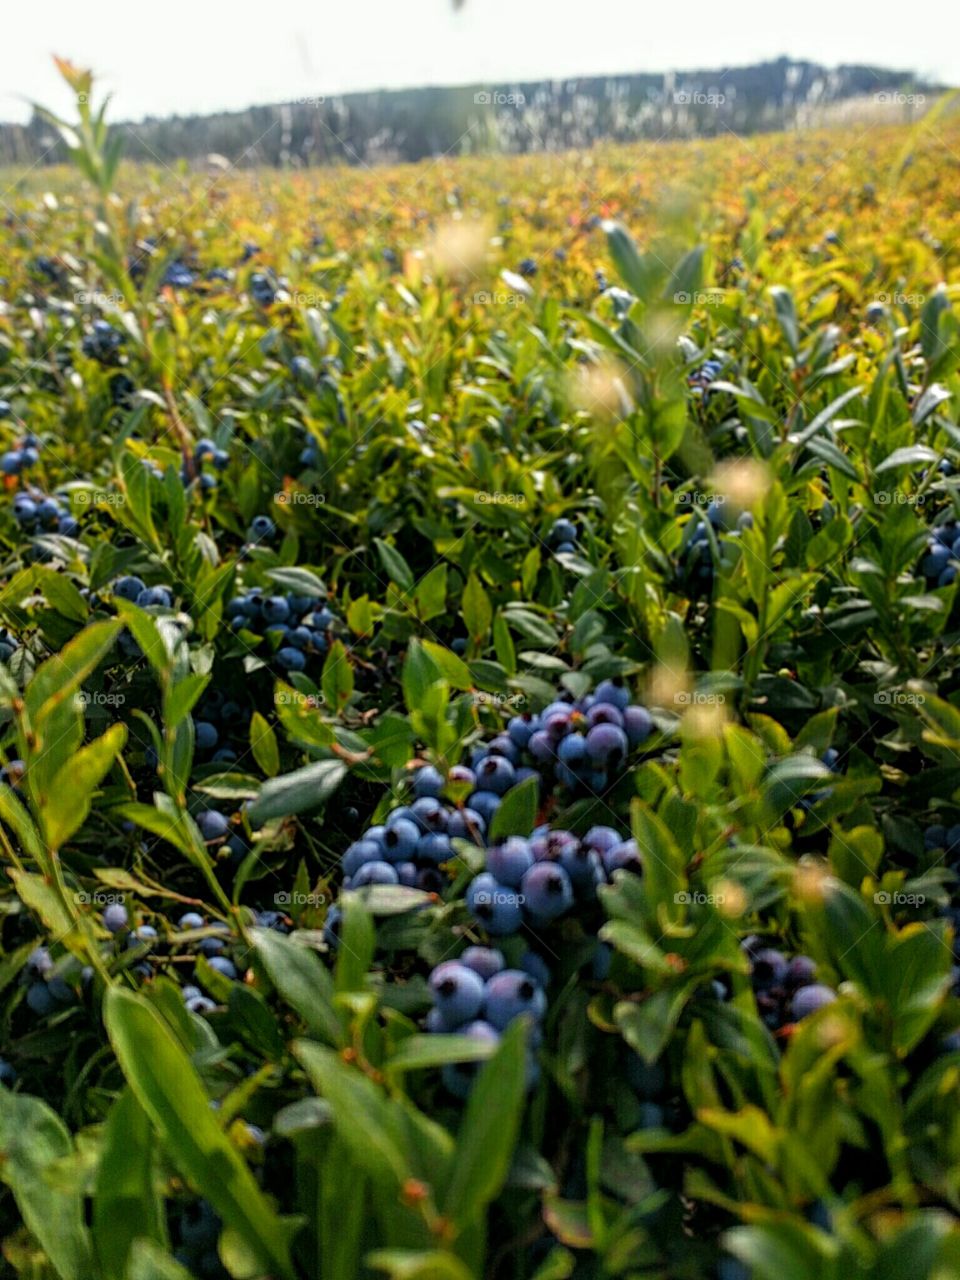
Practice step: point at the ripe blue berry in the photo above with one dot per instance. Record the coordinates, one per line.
(511, 993)
(458, 993)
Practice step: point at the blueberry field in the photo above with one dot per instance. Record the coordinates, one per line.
(480, 713)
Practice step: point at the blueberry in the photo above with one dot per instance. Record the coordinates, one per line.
(261, 528)
(511, 993)
(520, 729)
(508, 862)
(115, 917)
(11, 462)
(547, 891)
(154, 597)
(191, 920)
(40, 1000)
(935, 837)
(563, 530)
(24, 509)
(572, 750)
(537, 968)
(458, 992)
(483, 960)
(374, 873)
(222, 965)
(205, 734)
(606, 745)
(935, 561)
(810, 999)
(434, 847)
(496, 906)
(466, 824)
(8, 1076)
(485, 803)
(769, 969)
(637, 724)
(400, 840)
(275, 609)
(289, 659)
(429, 814)
(495, 774)
(613, 691)
(623, 856)
(361, 852)
(213, 824)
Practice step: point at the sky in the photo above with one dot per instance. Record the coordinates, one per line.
(186, 56)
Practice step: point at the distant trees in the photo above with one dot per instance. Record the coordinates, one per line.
(409, 124)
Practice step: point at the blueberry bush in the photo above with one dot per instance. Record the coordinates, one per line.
(480, 715)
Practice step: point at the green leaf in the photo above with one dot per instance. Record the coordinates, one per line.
(420, 672)
(125, 1203)
(148, 1261)
(516, 815)
(419, 1051)
(301, 979)
(396, 567)
(488, 1134)
(305, 788)
(61, 676)
(263, 744)
(337, 679)
(32, 1139)
(476, 610)
(171, 1093)
(71, 792)
(411, 1264)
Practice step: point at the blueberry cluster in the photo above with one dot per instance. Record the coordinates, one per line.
(534, 882)
(786, 990)
(178, 276)
(218, 725)
(262, 289)
(699, 380)
(478, 996)
(940, 564)
(46, 992)
(579, 743)
(24, 454)
(298, 626)
(43, 513)
(562, 537)
(102, 343)
(205, 451)
(697, 567)
(134, 589)
(415, 840)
